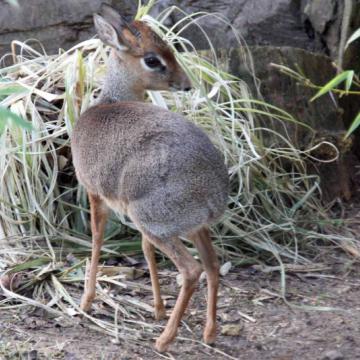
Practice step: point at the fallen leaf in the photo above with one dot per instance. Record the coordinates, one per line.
(231, 329)
(130, 273)
(225, 268)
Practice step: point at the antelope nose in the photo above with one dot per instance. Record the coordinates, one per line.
(185, 83)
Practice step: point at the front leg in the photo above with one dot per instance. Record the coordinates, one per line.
(99, 214)
(149, 253)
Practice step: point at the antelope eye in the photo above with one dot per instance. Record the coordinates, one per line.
(152, 62)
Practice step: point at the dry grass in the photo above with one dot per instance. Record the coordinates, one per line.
(274, 213)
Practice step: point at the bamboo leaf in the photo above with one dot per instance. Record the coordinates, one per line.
(354, 125)
(144, 9)
(31, 264)
(344, 76)
(349, 79)
(7, 115)
(12, 89)
(353, 37)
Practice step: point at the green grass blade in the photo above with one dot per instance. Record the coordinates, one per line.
(333, 83)
(354, 125)
(353, 37)
(7, 116)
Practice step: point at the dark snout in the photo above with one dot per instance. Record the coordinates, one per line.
(186, 84)
(181, 82)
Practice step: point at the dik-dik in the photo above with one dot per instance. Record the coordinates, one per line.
(151, 164)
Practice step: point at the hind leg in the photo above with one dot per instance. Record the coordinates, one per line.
(149, 253)
(99, 214)
(210, 262)
(190, 270)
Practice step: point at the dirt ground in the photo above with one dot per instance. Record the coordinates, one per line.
(254, 322)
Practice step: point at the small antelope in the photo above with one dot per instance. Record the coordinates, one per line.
(151, 164)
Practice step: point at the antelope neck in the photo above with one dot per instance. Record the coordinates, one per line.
(120, 83)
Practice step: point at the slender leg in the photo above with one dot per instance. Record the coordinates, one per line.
(99, 214)
(149, 253)
(210, 262)
(190, 270)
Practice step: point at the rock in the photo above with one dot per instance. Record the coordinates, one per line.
(231, 329)
(304, 23)
(231, 316)
(285, 92)
(257, 22)
(325, 18)
(57, 24)
(320, 13)
(333, 355)
(31, 355)
(323, 115)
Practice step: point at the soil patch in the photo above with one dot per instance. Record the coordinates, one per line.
(254, 322)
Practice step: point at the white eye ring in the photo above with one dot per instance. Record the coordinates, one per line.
(143, 63)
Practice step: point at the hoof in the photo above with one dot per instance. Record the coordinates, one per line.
(210, 335)
(85, 304)
(161, 345)
(160, 312)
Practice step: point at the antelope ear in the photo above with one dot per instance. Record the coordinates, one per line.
(108, 34)
(112, 16)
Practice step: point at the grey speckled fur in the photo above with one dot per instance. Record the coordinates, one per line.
(152, 164)
(148, 162)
